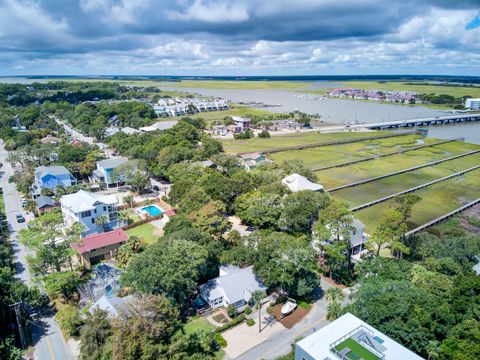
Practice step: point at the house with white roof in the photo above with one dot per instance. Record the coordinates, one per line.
(296, 183)
(241, 123)
(112, 304)
(85, 208)
(252, 160)
(49, 177)
(233, 286)
(348, 337)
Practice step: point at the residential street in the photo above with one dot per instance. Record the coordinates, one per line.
(48, 340)
(280, 343)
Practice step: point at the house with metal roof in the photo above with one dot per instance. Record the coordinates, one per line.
(104, 173)
(348, 337)
(112, 304)
(233, 286)
(49, 177)
(296, 183)
(98, 247)
(45, 204)
(85, 208)
(252, 160)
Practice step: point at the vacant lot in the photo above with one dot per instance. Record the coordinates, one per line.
(257, 144)
(436, 200)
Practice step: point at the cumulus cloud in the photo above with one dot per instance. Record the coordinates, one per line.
(239, 37)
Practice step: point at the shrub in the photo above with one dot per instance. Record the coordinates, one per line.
(61, 284)
(247, 134)
(250, 322)
(220, 340)
(281, 299)
(264, 134)
(248, 310)
(231, 311)
(69, 320)
(231, 324)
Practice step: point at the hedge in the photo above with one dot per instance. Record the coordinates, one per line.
(231, 324)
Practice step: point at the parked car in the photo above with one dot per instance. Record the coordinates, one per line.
(20, 218)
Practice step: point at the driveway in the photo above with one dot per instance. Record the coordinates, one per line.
(279, 343)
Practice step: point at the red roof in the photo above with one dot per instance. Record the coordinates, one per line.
(98, 241)
(170, 212)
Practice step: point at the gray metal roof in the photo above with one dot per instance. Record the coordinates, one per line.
(111, 163)
(51, 170)
(357, 237)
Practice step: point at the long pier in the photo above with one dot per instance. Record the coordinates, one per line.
(442, 218)
(378, 201)
(437, 120)
(330, 143)
(413, 168)
(347, 163)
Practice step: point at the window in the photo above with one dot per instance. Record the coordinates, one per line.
(93, 221)
(84, 214)
(104, 208)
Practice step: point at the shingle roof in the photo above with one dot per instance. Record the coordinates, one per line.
(43, 201)
(98, 241)
(51, 170)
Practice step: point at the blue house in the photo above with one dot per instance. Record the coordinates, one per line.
(49, 177)
(104, 175)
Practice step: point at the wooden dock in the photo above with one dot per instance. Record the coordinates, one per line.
(378, 201)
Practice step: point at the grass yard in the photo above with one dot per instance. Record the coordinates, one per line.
(2, 204)
(196, 324)
(322, 156)
(256, 144)
(145, 232)
(348, 174)
(358, 350)
(436, 200)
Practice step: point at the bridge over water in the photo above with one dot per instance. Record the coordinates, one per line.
(437, 120)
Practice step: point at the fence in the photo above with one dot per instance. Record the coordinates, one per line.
(143, 221)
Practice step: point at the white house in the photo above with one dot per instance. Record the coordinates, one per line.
(296, 182)
(473, 104)
(241, 123)
(85, 207)
(233, 286)
(348, 337)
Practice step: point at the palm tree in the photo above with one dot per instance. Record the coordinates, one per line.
(101, 221)
(129, 200)
(124, 216)
(334, 295)
(433, 350)
(257, 297)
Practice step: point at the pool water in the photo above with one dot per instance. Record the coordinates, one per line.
(152, 210)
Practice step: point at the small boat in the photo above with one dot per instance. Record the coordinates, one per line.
(288, 307)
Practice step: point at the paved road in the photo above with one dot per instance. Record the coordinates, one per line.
(280, 343)
(49, 341)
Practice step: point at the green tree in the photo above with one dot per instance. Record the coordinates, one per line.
(334, 296)
(171, 269)
(211, 219)
(127, 251)
(390, 227)
(101, 221)
(94, 334)
(61, 284)
(257, 297)
(129, 200)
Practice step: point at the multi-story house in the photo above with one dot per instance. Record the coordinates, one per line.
(50, 177)
(104, 173)
(86, 208)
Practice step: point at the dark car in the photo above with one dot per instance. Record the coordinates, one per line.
(20, 218)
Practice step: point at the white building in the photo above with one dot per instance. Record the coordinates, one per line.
(104, 173)
(296, 183)
(473, 104)
(85, 208)
(233, 286)
(348, 337)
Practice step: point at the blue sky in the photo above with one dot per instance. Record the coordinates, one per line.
(239, 37)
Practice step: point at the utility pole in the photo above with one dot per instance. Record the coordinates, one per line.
(17, 307)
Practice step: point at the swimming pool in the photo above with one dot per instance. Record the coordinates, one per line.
(153, 210)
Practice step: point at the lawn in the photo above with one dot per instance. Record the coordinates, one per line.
(330, 155)
(359, 351)
(196, 324)
(2, 204)
(436, 200)
(256, 144)
(145, 232)
(364, 170)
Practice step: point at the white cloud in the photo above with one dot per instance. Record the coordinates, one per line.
(212, 12)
